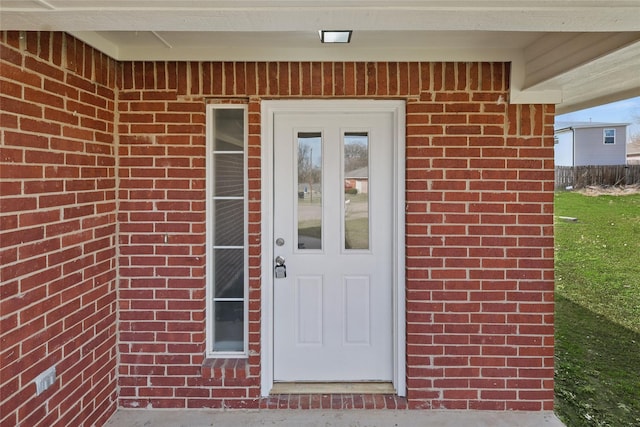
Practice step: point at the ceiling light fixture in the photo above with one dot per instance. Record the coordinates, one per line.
(335, 36)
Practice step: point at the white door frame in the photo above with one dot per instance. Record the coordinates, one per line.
(268, 111)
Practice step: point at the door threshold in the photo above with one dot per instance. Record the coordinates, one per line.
(369, 387)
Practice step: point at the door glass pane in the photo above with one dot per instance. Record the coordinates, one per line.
(309, 188)
(229, 326)
(356, 190)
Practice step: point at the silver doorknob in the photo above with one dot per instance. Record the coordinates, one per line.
(280, 260)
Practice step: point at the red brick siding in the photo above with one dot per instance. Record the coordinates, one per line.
(58, 228)
(479, 230)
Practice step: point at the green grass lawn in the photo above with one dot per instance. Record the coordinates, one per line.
(598, 310)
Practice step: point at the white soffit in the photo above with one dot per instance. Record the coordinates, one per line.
(571, 52)
(294, 15)
(304, 45)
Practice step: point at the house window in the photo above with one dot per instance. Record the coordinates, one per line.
(609, 136)
(226, 230)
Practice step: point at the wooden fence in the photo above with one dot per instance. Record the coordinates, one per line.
(585, 176)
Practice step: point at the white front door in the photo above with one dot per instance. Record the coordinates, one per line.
(333, 229)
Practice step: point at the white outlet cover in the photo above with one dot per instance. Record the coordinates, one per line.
(45, 380)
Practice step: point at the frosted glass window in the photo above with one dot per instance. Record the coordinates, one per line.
(229, 174)
(229, 271)
(229, 326)
(229, 129)
(229, 227)
(226, 230)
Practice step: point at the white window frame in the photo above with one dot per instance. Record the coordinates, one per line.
(604, 136)
(210, 248)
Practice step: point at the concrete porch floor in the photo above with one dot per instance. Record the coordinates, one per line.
(329, 418)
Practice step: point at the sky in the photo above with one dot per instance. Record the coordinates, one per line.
(627, 111)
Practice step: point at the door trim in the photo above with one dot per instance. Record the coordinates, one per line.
(269, 109)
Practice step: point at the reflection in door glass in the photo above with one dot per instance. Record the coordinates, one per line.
(356, 190)
(309, 189)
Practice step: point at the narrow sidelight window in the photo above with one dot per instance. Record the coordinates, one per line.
(226, 230)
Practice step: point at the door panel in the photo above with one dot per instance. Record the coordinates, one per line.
(333, 310)
(357, 310)
(309, 319)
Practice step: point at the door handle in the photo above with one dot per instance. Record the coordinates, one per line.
(280, 271)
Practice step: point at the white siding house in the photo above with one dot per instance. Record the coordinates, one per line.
(584, 144)
(633, 153)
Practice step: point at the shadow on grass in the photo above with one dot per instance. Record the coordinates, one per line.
(597, 374)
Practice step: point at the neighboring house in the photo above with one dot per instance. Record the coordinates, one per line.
(633, 152)
(357, 179)
(586, 143)
(155, 250)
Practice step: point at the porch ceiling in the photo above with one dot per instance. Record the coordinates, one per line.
(570, 52)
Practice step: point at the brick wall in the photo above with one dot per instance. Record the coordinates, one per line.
(162, 241)
(58, 228)
(479, 244)
(479, 230)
